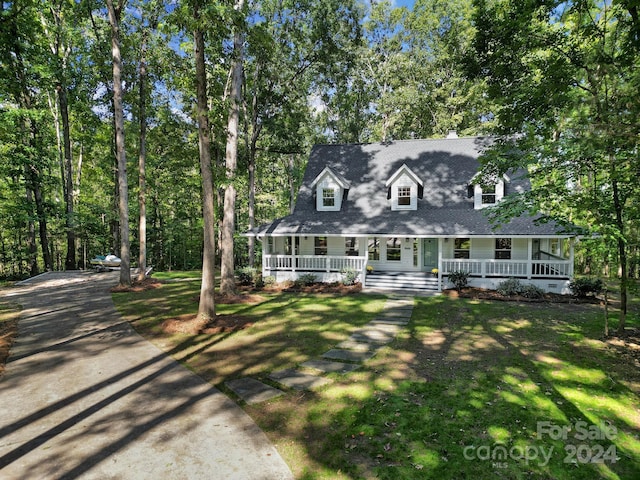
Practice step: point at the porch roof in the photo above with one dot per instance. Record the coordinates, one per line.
(446, 166)
(406, 223)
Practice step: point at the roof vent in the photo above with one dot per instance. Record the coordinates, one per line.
(452, 134)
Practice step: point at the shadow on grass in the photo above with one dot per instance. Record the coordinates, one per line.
(288, 329)
(472, 390)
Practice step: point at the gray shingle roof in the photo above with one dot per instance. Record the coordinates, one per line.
(446, 167)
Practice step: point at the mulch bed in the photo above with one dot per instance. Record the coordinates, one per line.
(627, 344)
(333, 288)
(191, 324)
(138, 286)
(486, 294)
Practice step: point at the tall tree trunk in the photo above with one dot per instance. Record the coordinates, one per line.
(142, 159)
(70, 261)
(54, 31)
(32, 175)
(256, 127)
(207, 306)
(118, 112)
(227, 271)
(32, 249)
(252, 198)
(622, 252)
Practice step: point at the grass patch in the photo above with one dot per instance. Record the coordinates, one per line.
(469, 389)
(286, 330)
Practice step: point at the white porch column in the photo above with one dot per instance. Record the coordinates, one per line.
(293, 253)
(265, 262)
(571, 256)
(529, 257)
(440, 246)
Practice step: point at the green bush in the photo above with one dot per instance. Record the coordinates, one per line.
(511, 286)
(247, 275)
(460, 279)
(269, 280)
(585, 286)
(349, 276)
(305, 280)
(531, 291)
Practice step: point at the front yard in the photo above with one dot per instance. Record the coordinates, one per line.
(470, 389)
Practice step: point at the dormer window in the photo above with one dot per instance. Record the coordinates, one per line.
(328, 197)
(404, 195)
(488, 195)
(404, 189)
(330, 189)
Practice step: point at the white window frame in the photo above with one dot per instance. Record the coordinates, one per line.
(351, 246)
(405, 193)
(318, 248)
(328, 197)
(396, 246)
(503, 251)
(458, 251)
(496, 193)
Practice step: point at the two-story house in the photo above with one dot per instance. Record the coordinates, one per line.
(413, 212)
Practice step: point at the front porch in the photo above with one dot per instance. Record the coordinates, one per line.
(545, 262)
(552, 275)
(510, 268)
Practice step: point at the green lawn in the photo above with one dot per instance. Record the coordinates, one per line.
(470, 389)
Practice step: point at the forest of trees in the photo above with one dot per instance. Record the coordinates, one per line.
(133, 126)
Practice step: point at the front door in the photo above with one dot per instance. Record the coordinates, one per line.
(429, 254)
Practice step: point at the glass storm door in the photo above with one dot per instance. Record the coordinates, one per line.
(429, 254)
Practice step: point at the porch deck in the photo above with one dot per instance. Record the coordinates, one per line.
(331, 268)
(558, 269)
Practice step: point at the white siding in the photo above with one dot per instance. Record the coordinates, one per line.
(519, 249)
(447, 248)
(335, 246)
(482, 248)
(278, 245)
(307, 246)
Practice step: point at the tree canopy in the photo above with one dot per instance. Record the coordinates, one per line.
(555, 83)
(564, 78)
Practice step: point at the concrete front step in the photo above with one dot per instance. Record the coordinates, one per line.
(401, 280)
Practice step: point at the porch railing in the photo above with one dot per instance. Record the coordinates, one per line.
(509, 268)
(324, 263)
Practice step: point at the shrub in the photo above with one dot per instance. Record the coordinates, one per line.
(305, 280)
(247, 275)
(511, 286)
(585, 286)
(460, 279)
(531, 291)
(269, 280)
(349, 276)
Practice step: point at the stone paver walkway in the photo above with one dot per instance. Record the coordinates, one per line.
(346, 357)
